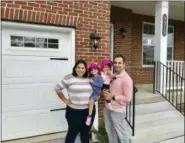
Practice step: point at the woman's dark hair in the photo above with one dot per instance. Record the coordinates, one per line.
(76, 64)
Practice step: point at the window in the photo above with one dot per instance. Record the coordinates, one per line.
(34, 42)
(148, 43)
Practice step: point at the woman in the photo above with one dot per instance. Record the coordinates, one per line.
(79, 91)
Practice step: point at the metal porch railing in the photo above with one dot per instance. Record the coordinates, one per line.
(178, 67)
(130, 112)
(167, 85)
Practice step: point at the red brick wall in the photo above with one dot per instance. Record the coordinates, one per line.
(179, 40)
(86, 16)
(122, 18)
(131, 45)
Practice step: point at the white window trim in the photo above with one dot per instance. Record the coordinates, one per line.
(151, 66)
(32, 48)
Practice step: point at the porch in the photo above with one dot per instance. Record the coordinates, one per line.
(138, 43)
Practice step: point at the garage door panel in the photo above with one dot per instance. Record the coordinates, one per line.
(47, 98)
(18, 97)
(22, 97)
(30, 123)
(51, 70)
(24, 69)
(14, 68)
(17, 69)
(54, 121)
(15, 124)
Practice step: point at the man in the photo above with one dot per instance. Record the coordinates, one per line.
(120, 94)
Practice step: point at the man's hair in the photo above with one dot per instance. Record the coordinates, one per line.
(120, 56)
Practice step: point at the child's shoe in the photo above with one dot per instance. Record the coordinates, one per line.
(88, 120)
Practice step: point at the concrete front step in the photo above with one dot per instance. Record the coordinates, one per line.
(169, 130)
(157, 116)
(157, 122)
(148, 100)
(145, 96)
(150, 133)
(174, 140)
(153, 108)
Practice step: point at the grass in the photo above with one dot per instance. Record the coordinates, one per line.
(101, 135)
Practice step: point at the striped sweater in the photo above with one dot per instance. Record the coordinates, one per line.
(79, 90)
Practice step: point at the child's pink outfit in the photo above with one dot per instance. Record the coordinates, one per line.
(106, 78)
(106, 85)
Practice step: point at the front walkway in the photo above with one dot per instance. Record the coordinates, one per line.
(61, 141)
(51, 138)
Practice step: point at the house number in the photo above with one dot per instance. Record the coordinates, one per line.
(164, 25)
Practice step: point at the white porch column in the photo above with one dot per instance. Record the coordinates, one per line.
(160, 50)
(161, 40)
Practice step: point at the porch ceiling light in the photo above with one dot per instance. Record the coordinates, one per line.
(95, 39)
(123, 32)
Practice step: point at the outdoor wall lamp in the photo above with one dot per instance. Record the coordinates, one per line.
(95, 39)
(123, 32)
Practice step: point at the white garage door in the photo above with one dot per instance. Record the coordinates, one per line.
(34, 58)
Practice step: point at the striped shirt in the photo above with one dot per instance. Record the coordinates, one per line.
(78, 89)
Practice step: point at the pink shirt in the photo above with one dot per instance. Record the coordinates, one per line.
(121, 88)
(106, 78)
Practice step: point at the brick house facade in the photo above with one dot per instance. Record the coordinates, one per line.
(131, 45)
(88, 16)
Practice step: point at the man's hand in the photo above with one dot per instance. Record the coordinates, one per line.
(107, 95)
(67, 101)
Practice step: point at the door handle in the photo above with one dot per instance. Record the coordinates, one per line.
(62, 59)
(57, 109)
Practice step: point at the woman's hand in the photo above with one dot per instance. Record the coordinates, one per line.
(67, 101)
